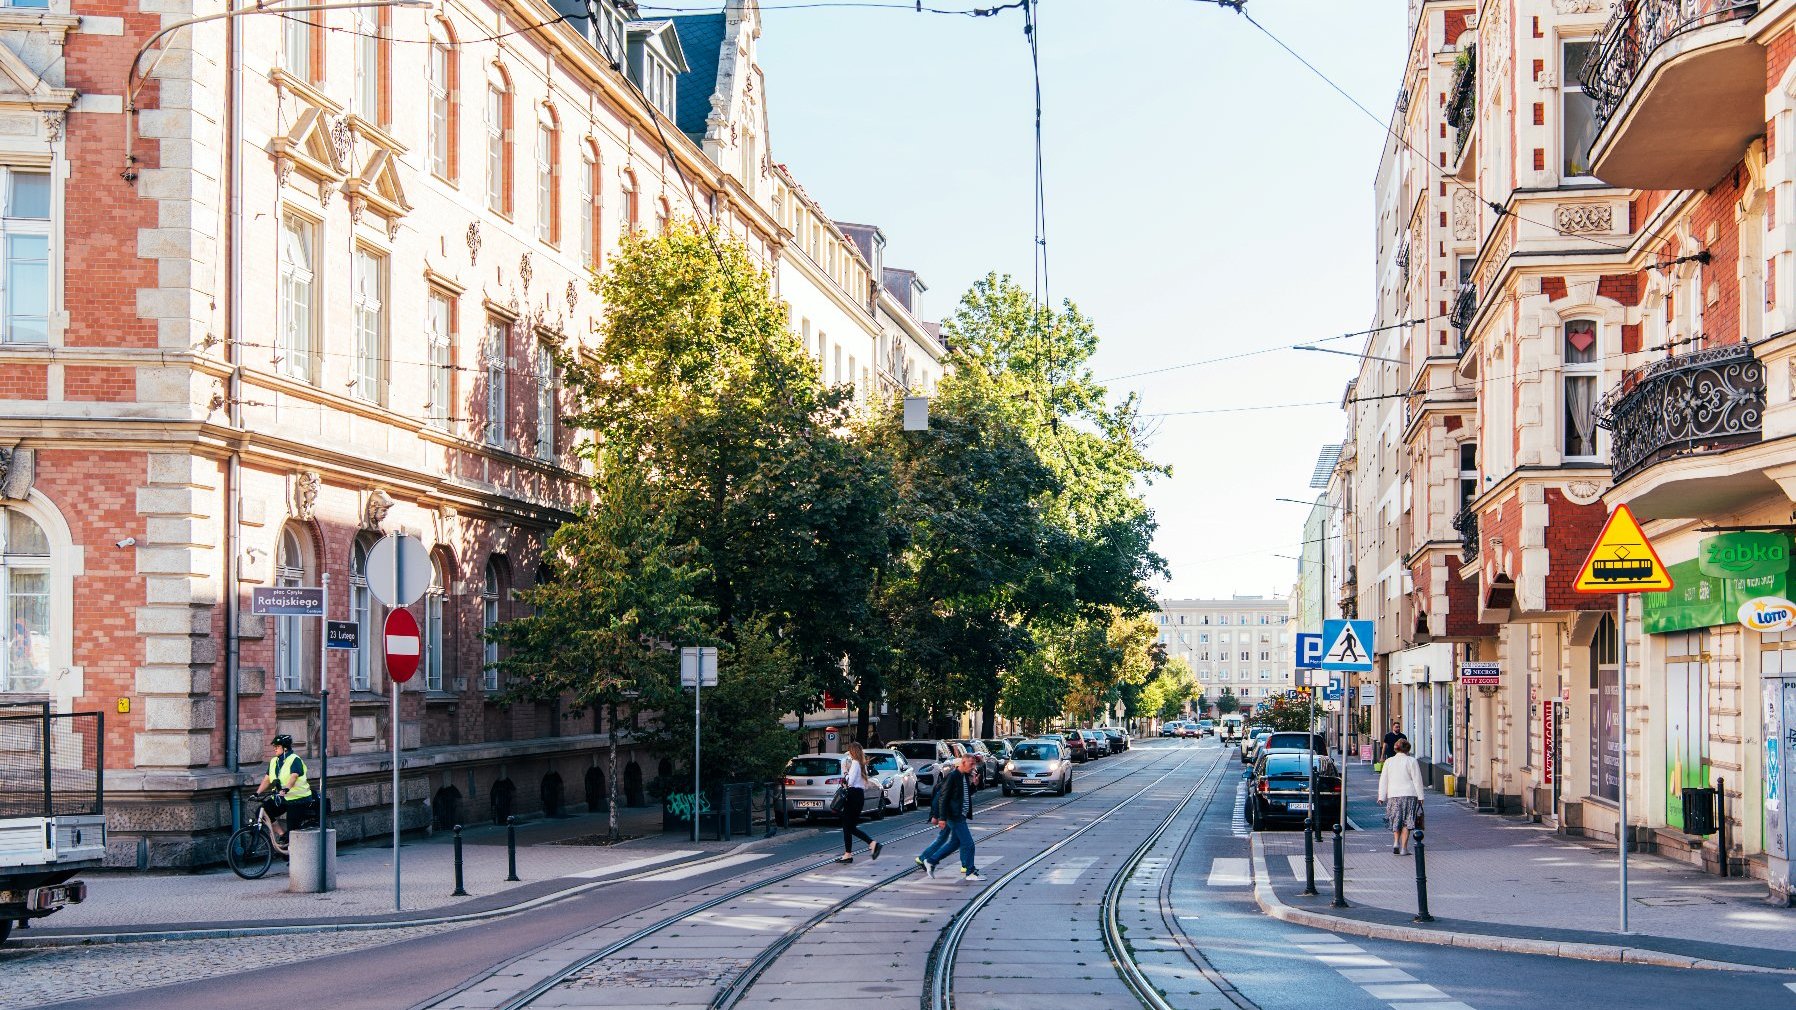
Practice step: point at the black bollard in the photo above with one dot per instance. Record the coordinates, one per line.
(1421, 882)
(460, 891)
(1340, 870)
(511, 848)
(1309, 853)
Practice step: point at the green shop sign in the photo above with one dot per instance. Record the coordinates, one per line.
(1744, 555)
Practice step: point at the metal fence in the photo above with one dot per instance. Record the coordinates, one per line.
(51, 765)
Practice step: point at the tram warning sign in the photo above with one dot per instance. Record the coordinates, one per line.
(1623, 560)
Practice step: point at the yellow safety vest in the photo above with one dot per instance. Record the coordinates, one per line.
(276, 774)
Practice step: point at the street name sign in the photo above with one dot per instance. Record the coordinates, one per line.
(1349, 645)
(344, 635)
(403, 645)
(1622, 560)
(287, 601)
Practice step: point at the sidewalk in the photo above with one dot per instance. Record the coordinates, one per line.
(219, 899)
(1506, 879)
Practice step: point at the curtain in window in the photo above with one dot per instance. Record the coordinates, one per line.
(1580, 415)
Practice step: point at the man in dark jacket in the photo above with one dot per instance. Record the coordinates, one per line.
(950, 809)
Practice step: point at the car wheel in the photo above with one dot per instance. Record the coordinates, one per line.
(1009, 791)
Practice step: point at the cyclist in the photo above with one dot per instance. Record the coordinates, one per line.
(286, 779)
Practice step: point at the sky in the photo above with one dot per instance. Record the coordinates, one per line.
(1206, 195)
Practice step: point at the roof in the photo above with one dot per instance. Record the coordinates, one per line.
(701, 37)
(1325, 465)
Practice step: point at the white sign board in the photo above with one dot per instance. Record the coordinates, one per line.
(698, 666)
(398, 565)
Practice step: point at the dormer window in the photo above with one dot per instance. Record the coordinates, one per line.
(656, 60)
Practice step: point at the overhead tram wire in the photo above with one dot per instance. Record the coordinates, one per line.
(1269, 350)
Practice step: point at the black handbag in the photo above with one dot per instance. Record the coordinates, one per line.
(839, 802)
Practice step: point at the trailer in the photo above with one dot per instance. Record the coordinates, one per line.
(52, 809)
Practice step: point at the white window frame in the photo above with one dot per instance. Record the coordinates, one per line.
(439, 339)
(298, 35)
(437, 72)
(1592, 371)
(546, 410)
(367, 64)
(497, 343)
(490, 589)
(1570, 85)
(589, 210)
(496, 97)
(292, 657)
(371, 352)
(546, 137)
(15, 227)
(435, 602)
(361, 614)
(14, 563)
(298, 339)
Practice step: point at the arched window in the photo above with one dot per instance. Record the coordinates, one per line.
(499, 160)
(443, 78)
(295, 654)
(491, 590)
(548, 179)
(1581, 372)
(631, 207)
(663, 212)
(590, 192)
(435, 601)
(361, 612)
(25, 602)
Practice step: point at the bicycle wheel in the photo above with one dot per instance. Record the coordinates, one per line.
(250, 853)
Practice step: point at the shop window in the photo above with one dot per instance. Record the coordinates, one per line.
(1687, 714)
(1605, 713)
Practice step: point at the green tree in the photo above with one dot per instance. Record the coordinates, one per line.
(1174, 684)
(742, 738)
(617, 582)
(1284, 714)
(1227, 702)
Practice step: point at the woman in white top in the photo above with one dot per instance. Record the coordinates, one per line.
(1400, 790)
(855, 784)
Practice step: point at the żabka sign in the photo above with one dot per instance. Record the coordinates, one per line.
(1768, 613)
(1744, 555)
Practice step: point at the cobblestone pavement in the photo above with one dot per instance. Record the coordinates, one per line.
(34, 977)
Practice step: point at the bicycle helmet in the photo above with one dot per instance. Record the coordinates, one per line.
(282, 740)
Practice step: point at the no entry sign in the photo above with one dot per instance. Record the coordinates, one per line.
(403, 645)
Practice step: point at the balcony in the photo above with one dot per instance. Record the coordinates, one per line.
(1679, 91)
(1466, 522)
(1690, 405)
(1465, 306)
(1462, 100)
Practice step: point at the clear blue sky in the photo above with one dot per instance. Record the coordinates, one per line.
(1206, 195)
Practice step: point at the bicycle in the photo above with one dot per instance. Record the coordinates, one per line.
(252, 848)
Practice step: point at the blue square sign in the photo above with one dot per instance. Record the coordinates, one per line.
(1347, 645)
(1309, 651)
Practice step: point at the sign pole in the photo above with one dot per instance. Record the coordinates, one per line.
(1621, 662)
(1309, 820)
(698, 686)
(393, 685)
(324, 734)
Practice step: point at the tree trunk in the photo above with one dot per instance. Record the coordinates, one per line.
(862, 722)
(611, 778)
(988, 714)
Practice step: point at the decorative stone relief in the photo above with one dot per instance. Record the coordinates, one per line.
(325, 191)
(305, 495)
(53, 124)
(473, 243)
(1583, 492)
(374, 513)
(1582, 6)
(573, 296)
(18, 471)
(526, 271)
(1584, 218)
(1465, 215)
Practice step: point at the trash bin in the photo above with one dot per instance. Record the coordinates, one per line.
(1699, 811)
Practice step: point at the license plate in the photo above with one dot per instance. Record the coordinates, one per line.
(808, 804)
(1032, 782)
(44, 899)
(1297, 806)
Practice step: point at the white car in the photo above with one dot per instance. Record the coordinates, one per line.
(897, 779)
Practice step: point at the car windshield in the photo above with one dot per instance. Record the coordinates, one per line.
(883, 762)
(1037, 752)
(815, 766)
(917, 751)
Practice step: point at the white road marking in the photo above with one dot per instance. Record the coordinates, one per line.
(1069, 871)
(1378, 977)
(633, 864)
(1404, 991)
(1353, 961)
(1364, 975)
(1229, 871)
(1297, 868)
(1238, 825)
(681, 873)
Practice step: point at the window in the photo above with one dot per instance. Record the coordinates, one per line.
(299, 46)
(1577, 112)
(590, 243)
(632, 216)
(439, 335)
(361, 615)
(663, 212)
(1581, 370)
(548, 183)
(1245, 655)
(370, 327)
(434, 600)
(298, 297)
(498, 149)
(25, 602)
(1687, 655)
(26, 228)
(1468, 473)
(546, 410)
(372, 64)
(498, 333)
(293, 656)
(489, 619)
(853, 369)
(443, 79)
(1466, 263)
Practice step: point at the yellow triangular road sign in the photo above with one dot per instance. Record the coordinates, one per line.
(1623, 560)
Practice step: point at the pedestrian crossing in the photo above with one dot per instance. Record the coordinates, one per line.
(1235, 871)
(1379, 978)
(1238, 824)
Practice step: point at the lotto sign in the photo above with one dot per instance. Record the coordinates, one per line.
(403, 645)
(1622, 560)
(1349, 645)
(1768, 613)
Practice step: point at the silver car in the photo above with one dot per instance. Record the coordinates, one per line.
(1038, 766)
(897, 779)
(929, 758)
(811, 783)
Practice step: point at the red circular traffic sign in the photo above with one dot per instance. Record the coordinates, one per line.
(403, 645)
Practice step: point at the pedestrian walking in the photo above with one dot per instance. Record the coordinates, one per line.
(855, 785)
(1391, 738)
(950, 809)
(1400, 790)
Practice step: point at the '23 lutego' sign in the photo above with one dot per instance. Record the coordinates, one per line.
(1768, 613)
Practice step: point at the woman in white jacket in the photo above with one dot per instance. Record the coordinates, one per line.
(1400, 790)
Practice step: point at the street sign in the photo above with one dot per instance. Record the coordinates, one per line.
(287, 601)
(1332, 691)
(1548, 727)
(398, 564)
(345, 635)
(1622, 560)
(403, 645)
(1368, 694)
(1349, 645)
(1480, 674)
(1309, 651)
(698, 666)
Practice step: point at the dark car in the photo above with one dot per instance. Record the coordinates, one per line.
(1119, 741)
(1294, 740)
(1279, 789)
(985, 763)
(1000, 749)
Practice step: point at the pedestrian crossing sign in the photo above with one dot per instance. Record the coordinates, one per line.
(1349, 645)
(1622, 560)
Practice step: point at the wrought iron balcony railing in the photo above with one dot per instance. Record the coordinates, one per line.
(1635, 29)
(1462, 99)
(1466, 522)
(1465, 306)
(1692, 404)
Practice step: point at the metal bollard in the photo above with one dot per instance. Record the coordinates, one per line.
(1309, 852)
(1421, 881)
(1340, 871)
(767, 796)
(511, 848)
(460, 891)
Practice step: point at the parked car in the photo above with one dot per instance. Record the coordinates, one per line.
(986, 764)
(1119, 741)
(1073, 742)
(928, 757)
(1295, 740)
(811, 783)
(897, 778)
(1188, 729)
(1014, 740)
(1279, 789)
(1000, 749)
(1170, 728)
(1038, 766)
(1250, 744)
(1206, 727)
(1096, 744)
